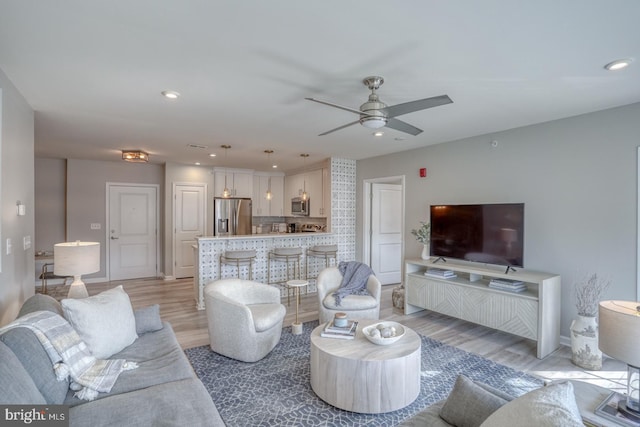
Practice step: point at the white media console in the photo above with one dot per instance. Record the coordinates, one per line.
(533, 313)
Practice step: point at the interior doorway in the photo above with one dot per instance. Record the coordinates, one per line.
(383, 237)
(189, 223)
(132, 231)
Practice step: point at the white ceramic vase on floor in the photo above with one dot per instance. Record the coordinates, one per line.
(425, 252)
(584, 343)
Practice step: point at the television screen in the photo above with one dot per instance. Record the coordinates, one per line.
(488, 233)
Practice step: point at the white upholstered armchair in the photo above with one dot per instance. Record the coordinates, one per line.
(356, 306)
(245, 318)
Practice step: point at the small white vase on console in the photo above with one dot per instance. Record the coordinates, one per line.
(584, 343)
(425, 252)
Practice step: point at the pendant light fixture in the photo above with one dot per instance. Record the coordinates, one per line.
(269, 195)
(305, 196)
(225, 193)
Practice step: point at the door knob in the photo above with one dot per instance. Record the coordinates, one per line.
(114, 238)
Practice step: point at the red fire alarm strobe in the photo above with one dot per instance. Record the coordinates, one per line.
(423, 172)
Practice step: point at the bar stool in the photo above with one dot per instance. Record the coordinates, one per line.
(237, 259)
(324, 253)
(291, 258)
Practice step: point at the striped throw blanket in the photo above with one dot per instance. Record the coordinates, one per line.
(354, 280)
(70, 355)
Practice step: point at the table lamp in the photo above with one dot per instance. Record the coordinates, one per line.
(619, 337)
(75, 259)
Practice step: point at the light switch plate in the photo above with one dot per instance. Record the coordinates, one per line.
(9, 246)
(96, 226)
(26, 242)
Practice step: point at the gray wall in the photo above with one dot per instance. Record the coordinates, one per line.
(16, 183)
(86, 198)
(50, 217)
(577, 178)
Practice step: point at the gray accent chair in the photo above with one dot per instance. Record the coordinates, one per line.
(245, 318)
(356, 306)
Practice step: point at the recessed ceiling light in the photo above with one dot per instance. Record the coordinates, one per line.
(618, 64)
(378, 133)
(275, 166)
(197, 163)
(212, 155)
(171, 94)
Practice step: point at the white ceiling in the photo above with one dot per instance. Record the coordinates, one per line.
(93, 72)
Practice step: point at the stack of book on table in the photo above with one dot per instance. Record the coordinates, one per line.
(439, 272)
(508, 285)
(341, 332)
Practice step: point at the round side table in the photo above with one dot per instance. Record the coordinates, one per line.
(296, 328)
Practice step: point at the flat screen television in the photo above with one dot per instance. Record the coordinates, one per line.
(487, 233)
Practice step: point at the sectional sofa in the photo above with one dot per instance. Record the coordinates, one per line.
(162, 391)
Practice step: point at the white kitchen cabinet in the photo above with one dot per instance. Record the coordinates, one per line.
(239, 182)
(314, 190)
(316, 183)
(262, 206)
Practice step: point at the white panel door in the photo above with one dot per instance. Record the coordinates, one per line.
(132, 232)
(189, 215)
(386, 232)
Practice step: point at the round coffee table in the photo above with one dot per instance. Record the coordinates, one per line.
(359, 376)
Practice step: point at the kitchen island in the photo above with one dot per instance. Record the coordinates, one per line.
(209, 249)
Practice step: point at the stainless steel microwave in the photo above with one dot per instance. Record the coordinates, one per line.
(299, 207)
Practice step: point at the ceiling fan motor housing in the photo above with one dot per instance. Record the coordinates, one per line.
(374, 118)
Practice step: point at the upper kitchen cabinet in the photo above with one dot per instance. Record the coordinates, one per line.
(261, 205)
(239, 182)
(316, 183)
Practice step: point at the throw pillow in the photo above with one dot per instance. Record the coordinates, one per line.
(469, 404)
(554, 405)
(148, 319)
(105, 322)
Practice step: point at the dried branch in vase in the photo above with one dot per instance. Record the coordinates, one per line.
(588, 293)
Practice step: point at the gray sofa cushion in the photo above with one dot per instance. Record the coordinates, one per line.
(148, 319)
(40, 302)
(160, 359)
(17, 385)
(179, 403)
(427, 417)
(469, 404)
(34, 359)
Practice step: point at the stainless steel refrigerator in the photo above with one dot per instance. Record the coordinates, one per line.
(231, 216)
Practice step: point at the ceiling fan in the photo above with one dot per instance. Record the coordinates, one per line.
(375, 114)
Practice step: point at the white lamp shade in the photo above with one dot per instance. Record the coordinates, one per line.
(76, 258)
(619, 330)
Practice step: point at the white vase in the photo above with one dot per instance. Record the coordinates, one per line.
(425, 252)
(584, 343)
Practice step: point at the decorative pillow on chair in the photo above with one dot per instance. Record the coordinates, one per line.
(105, 322)
(554, 405)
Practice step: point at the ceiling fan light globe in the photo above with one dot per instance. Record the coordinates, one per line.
(373, 122)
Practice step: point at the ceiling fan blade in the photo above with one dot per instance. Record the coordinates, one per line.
(402, 126)
(341, 127)
(330, 104)
(421, 104)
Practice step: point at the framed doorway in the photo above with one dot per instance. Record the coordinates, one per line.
(383, 227)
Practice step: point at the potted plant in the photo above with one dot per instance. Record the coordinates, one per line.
(422, 235)
(584, 329)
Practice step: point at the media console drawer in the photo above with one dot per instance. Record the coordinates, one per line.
(533, 313)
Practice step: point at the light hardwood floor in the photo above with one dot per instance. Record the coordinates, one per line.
(177, 306)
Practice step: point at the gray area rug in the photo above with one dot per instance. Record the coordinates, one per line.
(276, 391)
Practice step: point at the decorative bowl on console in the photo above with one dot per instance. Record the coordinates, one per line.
(384, 333)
